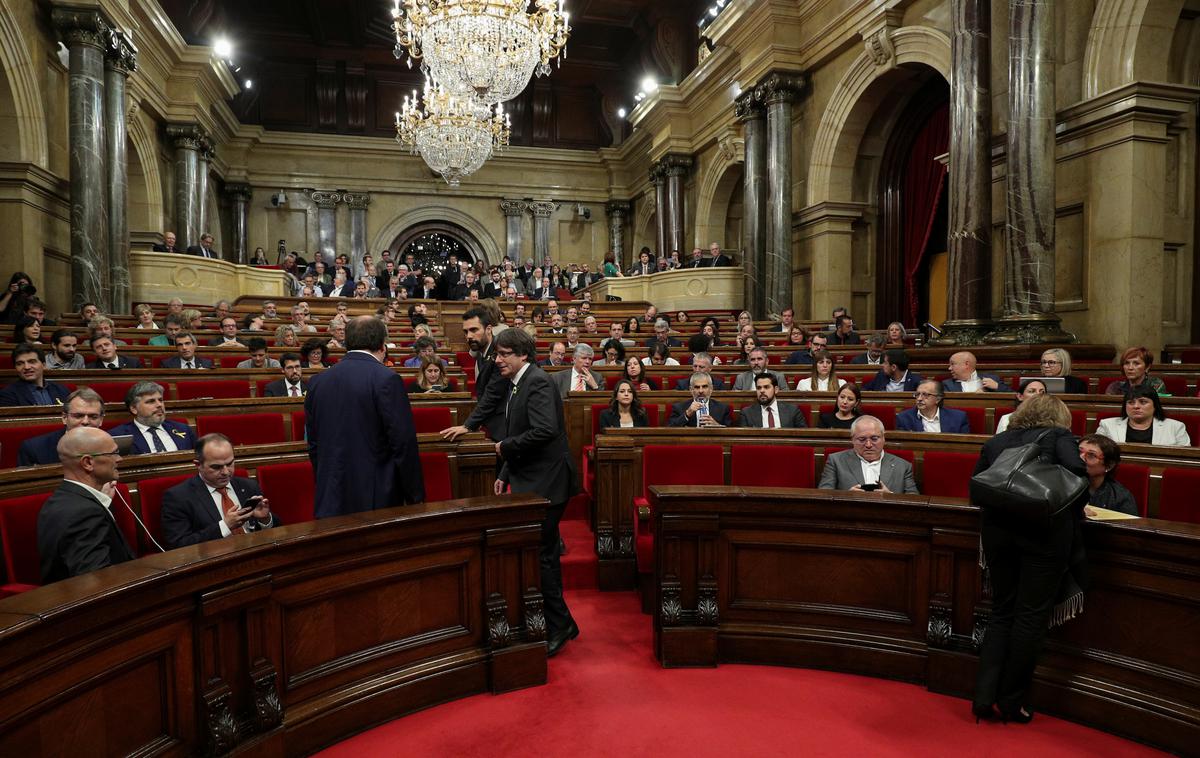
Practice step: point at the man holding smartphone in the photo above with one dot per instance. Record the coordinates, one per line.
(867, 468)
(214, 504)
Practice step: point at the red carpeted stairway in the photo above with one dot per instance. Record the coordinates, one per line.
(607, 696)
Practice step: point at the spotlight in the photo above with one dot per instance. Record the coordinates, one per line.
(223, 47)
(620, 113)
(249, 84)
(649, 85)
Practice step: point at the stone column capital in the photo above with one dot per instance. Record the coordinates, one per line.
(658, 172)
(207, 151)
(82, 26)
(513, 207)
(677, 164)
(121, 54)
(239, 191)
(542, 208)
(358, 201)
(617, 208)
(325, 199)
(747, 106)
(780, 87)
(186, 136)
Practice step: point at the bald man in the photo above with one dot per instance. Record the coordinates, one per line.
(76, 531)
(964, 377)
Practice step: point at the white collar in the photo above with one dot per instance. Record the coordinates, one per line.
(873, 464)
(143, 428)
(364, 352)
(105, 500)
(516, 380)
(937, 415)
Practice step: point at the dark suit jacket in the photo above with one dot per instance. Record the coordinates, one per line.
(361, 438)
(953, 385)
(953, 422)
(161, 248)
(800, 357)
(75, 534)
(19, 393)
(41, 449)
(189, 514)
(124, 361)
(716, 409)
(720, 260)
(879, 382)
(175, 362)
(219, 340)
(277, 388)
(197, 250)
(610, 420)
(850, 339)
(862, 360)
(671, 342)
(491, 392)
(345, 291)
(536, 456)
(182, 435)
(790, 417)
(685, 384)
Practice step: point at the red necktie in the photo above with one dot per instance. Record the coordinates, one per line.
(579, 382)
(770, 418)
(295, 391)
(226, 504)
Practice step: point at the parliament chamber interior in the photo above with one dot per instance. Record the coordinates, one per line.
(794, 279)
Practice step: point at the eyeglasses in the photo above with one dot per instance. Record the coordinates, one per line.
(920, 395)
(874, 438)
(1051, 362)
(1091, 456)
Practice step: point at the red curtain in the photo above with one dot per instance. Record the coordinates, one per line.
(924, 181)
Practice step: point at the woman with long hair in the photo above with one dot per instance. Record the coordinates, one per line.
(28, 329)
(432, 377)
(624, 409)
(847, 407)
(285, 336)
(824, 374)
(635, 372)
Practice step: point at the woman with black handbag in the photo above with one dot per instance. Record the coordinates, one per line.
(1034, 556)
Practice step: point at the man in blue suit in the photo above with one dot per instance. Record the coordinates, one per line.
(361, 437)
(893, 375)
(31, 387)
(185, 344)
(150, 429)
(929, 415)
(964, 377)
(83, 408)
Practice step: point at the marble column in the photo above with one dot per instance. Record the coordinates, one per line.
(514, 219)
(658, 176)
(541, 210)
(750, 112)
(86, 34)
(240, 194)
(778, 91)
(357, 202)
(618, 213)
(205, 156)
(676, 167)
(326, 203)
(118, 64)
(186, 140)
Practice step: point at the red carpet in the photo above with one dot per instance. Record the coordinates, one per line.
(607, 696)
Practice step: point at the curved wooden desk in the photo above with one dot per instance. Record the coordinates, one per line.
(279, 642)
(889, 586)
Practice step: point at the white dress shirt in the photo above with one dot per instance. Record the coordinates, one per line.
(215, 496)
(974, 384)
(774, 408)
(897, 386)
(870, 470)
(931, 424)
(822, 385)
(163, 435)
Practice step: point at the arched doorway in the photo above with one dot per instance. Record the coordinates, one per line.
(432, 243)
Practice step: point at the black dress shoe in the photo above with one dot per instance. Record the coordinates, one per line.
(559, 641)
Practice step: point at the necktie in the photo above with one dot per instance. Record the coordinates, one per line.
(113, 366)
(189, 364)
(226, 504)
(579, 383)
(295, 391)
(770, 418)
(159, 447)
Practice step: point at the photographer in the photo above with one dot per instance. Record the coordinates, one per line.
(13, 300)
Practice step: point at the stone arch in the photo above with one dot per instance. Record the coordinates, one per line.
(18, 68)
(644, 227)
(143, 156)
(845, 120)
(1129, 40)
(488, 251)
(713, 199)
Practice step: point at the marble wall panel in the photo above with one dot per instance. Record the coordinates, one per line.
(1070, 259)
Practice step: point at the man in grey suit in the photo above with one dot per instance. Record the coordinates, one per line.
(758, 364)
(537, 460)
(769, 413)
(867, 467)
(581, 377)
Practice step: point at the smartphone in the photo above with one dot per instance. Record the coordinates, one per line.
(251, 503)
(870, 487)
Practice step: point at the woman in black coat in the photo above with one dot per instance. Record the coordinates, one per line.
(1035, 569)
(624, 409)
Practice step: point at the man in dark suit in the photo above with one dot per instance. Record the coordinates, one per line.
(701, 363)
(185, 345)
(76, 531)
(769, 413)
(928, 415)
(843, 332)
(228, 336)
(291, 385)
(873, 355)
(215, 504)
(803, 356)
(494, 288)
(697, 259)
(106, 355)
(662, 333)
(867, 464)
(204, 249)
(964, 377)
(167, 245)
(361, 437)
(83, 408)
(31, 387)
(491, 389)
(150, 429)
(701, 410)
(580, 377)
(894, 375)
(427, 290)
(537, 460)
(340, 287)
(716, 258)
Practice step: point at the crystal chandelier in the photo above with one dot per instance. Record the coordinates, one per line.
(454, 135)
(489, 48)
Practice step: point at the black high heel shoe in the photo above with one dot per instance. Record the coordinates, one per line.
(984, 712)
(1022, 715)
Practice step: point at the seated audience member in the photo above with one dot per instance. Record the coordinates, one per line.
(581, 377)
(185, 346)
(36, 310)
(894, 375)
(422, 330)
(873, 355)
(702, 363)
(300, 319)
(716, 258)
(651, 314)
(286, 336)
(167, 245)
(590, 325)
(1057, 362)
(572, 337)
(270, 310)
(787, 321)
(337, 333)
(63, 354)
(746, 332)
(102, 326)
(833, 318)
(173, 324)
(746, 343)
(257, 346)
(145, 317)
(816, 343)
(314, 353)
(556, 324)
(1144, 421)
(928, 415)
(424, 348)
(259, 258)
(633, 325)
(76, 530)
(556, 356)
(83, 408)
(106, 355)
(662, 333)
(744, 319)
(660, 355)
(175, 305)
(711, 328)
(192, 320)
(252, 322)
(868, 464)
(702, 409)
(964, 377)
(700, 343)
(843, 332)
(27, 330)
(205, 248)
(87, 312)
(213, 504)
(758, 365)
(229, 334)
(624, 410)
(1136, 363)
(292, 384)
(769, 412)
(797, 337)
(1029, 388)
(150, 429)
(895, 335)
(222, 309)
(1101, 456)
(824, 375)
(612, 352)
(635, 371)
(431, 379)
(616, 331)
(846, 408)
(644, 265)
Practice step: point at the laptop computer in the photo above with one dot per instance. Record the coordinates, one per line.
(1055, 385)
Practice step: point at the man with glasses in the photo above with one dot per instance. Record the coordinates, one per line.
(83, 408)
(803, 356)
(867, 467)
(928, 415)
(76, 530)
(150, 429)
(894, 375)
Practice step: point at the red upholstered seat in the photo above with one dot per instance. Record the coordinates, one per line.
(18, 535)
(1136, 479)
(1078, 423)
(610, 380)
(1176, 385)
(11, 438)
(229, 360)
(885, 413)
(290, 488)
(1191, 421)
(948, 474)
(298, 419)
(673, 464)
(1177, 500)
(125, 520)
(977, 418)
(150, 492)
(900, 452)
(215, 388)
(430, 419)
(245, 428)
(435, 467)
(112, 392)
(771, 466)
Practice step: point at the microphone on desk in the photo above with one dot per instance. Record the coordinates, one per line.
(933, 328)
(132, 512)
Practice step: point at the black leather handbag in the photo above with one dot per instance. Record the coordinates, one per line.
(1021, 483)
